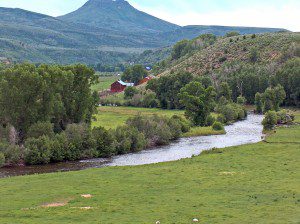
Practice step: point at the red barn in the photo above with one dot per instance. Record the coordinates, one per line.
(119, 86)
(145, 80)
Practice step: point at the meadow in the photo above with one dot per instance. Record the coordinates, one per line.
(104, 82)
(112, 117)
(257, 183)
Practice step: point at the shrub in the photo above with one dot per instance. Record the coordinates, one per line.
(283, 117)
(149, 100)
(258, 103)
(210, 120)
(129, 139)
(79, 136)
(59, 148)
(221, 118)
(156, 129)
(185, 124)
(13, 154)
(37, 151)
(175, 128)
(2, 159)
(231, 112)
(270, 120)
(217, 126)
(241, 100)
(130, 92)
(104, 142)
(41, 129)
(222, 59)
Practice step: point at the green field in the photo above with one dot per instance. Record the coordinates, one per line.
(258, 183)
(112, 117)
(104, 83)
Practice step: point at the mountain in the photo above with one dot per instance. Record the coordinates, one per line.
(118, 15)
(101, 31)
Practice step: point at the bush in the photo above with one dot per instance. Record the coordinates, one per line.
(130, 92)
(221, 118)
(210, 120)
(185, 124)
(13, 154)
(217, 126)
(231, 112)
(38, 151)
(2, 159)
(157, 130)
(59, 148)
(241, 100)
(79, 136)
(40, 129)
(104, 142)
(129, 139)
(284, 118)
(270, 120)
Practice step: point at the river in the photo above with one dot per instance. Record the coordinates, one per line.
(240, 133)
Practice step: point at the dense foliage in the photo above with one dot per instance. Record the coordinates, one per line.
(198, 102)
(167, 89)
(134, 74)
(57, 94)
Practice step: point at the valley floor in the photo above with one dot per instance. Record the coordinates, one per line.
(258, 183)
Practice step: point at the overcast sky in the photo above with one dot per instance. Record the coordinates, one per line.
(260, 13)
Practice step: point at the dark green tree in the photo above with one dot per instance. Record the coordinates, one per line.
(198, 102)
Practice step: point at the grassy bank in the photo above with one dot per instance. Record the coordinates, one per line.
(256, 183)
(203, 131)
(112, 117)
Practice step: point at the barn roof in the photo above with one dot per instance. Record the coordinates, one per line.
(125, 83)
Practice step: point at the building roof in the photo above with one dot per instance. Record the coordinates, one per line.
(125, 83)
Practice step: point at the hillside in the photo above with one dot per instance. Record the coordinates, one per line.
(103, 31)
(270, 48)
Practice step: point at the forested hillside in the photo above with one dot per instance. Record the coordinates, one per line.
(248, 63)
(101, 31)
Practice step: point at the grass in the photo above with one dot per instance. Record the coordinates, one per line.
(257, 183)
(203, 131)
(104, 83)
(112, 117)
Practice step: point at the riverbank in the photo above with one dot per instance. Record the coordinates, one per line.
(239, 133)
(255, 183)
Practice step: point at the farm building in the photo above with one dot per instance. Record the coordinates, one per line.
(145, 80)
(119, 86)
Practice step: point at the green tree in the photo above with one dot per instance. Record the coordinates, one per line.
(232, 34)
(198, 102)
(270, 120)
(134, 74)
(180, 49)
(225, 91)
(258, 103)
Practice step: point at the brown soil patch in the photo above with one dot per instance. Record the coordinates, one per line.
(55, 204)
(86, 196)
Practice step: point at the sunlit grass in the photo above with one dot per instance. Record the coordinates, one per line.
(112, 117)
(203, 131)
(257, 183)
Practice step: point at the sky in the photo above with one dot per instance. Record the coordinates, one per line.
(258, 13)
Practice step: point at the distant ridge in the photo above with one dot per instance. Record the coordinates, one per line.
(101, 31)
